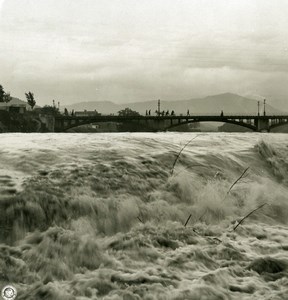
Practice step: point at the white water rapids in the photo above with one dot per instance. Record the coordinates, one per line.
(101, 216)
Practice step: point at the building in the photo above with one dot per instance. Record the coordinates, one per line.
(15, 108)
(86, 113)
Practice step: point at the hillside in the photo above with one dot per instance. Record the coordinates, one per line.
(228, 102)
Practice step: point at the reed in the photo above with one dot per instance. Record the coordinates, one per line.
(140, 219)
(250, 213)
(187, 220)
(231, 187)
(179, 153)
(238, 179)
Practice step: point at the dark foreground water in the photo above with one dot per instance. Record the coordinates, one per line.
(101, 216)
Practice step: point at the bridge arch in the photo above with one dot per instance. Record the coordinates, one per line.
(74, 123)
(157, 123)
(273, 126)
(242, 124)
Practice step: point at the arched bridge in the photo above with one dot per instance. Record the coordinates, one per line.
(161, 123)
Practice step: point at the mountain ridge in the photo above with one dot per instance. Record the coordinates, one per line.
(213, 104)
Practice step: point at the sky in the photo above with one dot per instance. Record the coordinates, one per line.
(129, 51)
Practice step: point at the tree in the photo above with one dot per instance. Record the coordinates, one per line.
(128, 112)
(2, 93)
(50, 110)
(7, 98)
(30, 99)
(4, 97)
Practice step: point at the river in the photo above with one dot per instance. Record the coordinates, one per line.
(127, 216)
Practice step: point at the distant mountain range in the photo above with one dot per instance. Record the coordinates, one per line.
(228, 102)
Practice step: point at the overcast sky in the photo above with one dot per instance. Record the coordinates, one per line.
(129, 50)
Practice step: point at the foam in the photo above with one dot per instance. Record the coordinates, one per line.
(101, 216)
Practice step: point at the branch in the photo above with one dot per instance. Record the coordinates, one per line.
(178, 155)
(140, 220)
(187, 220)
(241, 221)
(205, 212)
(235, 182)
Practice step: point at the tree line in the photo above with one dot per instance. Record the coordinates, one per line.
(6, 97)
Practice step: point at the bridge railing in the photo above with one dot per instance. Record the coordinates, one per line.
(201, 115)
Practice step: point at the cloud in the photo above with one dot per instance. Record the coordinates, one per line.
(119, 50)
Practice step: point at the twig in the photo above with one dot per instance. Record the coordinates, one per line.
(196, 231)
(178, 155)
(249, 215)
(185, 169)
(216, 239)
(205, 212)
(140, 220)
(187, 220)
(235, 182)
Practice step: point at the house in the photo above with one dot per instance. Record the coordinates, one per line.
(86, 113)
(15, 105)
(10, 107)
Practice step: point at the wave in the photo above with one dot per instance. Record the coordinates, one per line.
(105, 218)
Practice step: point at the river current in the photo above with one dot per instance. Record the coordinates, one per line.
(127, 216)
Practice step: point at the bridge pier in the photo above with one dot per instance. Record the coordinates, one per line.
(158, 124)
(262, 124)
(49, 121)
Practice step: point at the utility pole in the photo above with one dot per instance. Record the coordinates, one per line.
(258, 108)
(264, 113)
(158, 107)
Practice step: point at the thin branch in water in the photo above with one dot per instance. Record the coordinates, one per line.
(242, 220)
(239, 178)
(140, 220)
(205, 212)
(216, 239)
(185, 169)
(187, 220)
(178, 155)
(246, 181)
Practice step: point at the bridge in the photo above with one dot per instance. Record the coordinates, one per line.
(61, 123)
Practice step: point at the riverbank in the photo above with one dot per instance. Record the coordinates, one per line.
(15, 122)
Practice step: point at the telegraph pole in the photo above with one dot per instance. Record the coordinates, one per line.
(264, 113)
(258, 108)
(158, 107)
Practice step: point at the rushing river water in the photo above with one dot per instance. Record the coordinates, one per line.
(102, 216)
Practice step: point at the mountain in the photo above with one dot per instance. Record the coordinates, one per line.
(228, 102)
